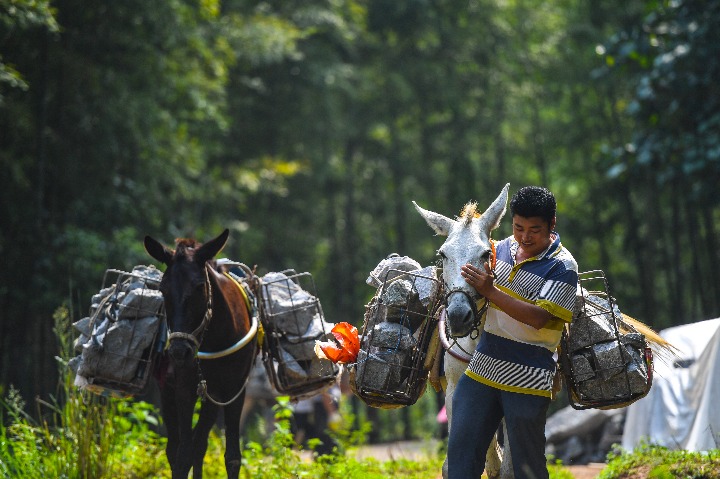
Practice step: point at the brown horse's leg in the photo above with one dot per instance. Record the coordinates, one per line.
(185, 400)
(206, 420)
(233, 455)
(185, 448)
(169, 414)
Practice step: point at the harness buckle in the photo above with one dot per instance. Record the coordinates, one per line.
(202, 389)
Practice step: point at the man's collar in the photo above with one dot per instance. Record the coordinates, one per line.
(551, 249)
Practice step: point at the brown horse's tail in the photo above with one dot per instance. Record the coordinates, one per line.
(661, 347)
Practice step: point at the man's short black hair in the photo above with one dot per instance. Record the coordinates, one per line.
(532, 201)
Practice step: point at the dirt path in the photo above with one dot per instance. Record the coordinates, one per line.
(589, 471)
(417, 450)
(414, 450)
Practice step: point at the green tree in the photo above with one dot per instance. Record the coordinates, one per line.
(672, 163)
(110, 140)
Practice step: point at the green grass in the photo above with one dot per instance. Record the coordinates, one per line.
(656, 462)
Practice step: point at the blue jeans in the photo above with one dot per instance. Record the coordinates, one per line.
(477, 410)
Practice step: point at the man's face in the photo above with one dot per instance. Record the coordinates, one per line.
(533, 234)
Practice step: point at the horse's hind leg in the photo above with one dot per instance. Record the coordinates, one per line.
(493, 459)
(498, 462)
(206, 420)
(506, 471)
(233, 455)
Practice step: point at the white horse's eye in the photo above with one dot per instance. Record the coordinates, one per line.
(441, 254)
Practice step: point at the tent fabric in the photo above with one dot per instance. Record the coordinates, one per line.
(682, 411)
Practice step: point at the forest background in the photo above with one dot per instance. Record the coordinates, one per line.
(307, 127)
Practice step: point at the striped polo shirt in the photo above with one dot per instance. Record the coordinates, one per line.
(514, 356)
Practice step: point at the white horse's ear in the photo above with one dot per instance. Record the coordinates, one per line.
(492, 216)
(439, 223)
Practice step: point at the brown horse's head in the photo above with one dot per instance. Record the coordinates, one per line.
(185, 287)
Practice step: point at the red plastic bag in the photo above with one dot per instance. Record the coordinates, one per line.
(345, 348)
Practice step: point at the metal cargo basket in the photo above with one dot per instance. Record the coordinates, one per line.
(606, 363)
(293, 320)
(126, 332)
(397, 341)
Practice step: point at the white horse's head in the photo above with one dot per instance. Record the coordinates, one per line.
(468, 241)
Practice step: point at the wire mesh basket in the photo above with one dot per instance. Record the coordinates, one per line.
(398, 339)
(293, 320)
(606, 363)
(124, 333)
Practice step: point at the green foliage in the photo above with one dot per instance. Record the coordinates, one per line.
(79, 435)
(659, 462)
(349, 430)
(279, 458)
(667, 62)
(16, 18)
(673, 55)
(557, 471)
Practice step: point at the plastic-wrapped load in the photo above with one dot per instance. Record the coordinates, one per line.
(293, 309)
(593, 321)
(407, 299)
(293, 322)
(119, 340)
(616, 370)
(389, 268)
(427, 286)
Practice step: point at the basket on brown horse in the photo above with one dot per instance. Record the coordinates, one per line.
(212, 346)
(293, 320)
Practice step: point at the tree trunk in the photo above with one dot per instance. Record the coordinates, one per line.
(712, 257)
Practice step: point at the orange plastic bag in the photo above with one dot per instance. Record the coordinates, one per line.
(345, 348)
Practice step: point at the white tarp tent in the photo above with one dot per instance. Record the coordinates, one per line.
(682, 409)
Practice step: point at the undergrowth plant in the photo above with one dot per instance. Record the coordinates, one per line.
(280, 458)
(78, 434)
(657, 462)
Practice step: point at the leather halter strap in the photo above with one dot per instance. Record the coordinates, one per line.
(453, 348)
(477, 313)
(196, 336)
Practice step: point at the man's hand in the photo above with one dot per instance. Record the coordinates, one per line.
(479, 278)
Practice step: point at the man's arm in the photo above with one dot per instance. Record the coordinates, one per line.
(521, 311)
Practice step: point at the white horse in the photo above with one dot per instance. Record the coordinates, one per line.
(468, 241)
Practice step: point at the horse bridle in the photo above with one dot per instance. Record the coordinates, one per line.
(477, 313)
(450, 343)
(196, 336)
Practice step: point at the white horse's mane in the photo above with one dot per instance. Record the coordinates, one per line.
(469, 211)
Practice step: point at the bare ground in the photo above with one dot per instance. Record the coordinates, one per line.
(422, 449)
(589, 471)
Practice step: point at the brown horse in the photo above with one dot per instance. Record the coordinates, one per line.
(212, 346)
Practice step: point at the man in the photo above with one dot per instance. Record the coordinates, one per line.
(511, 372)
